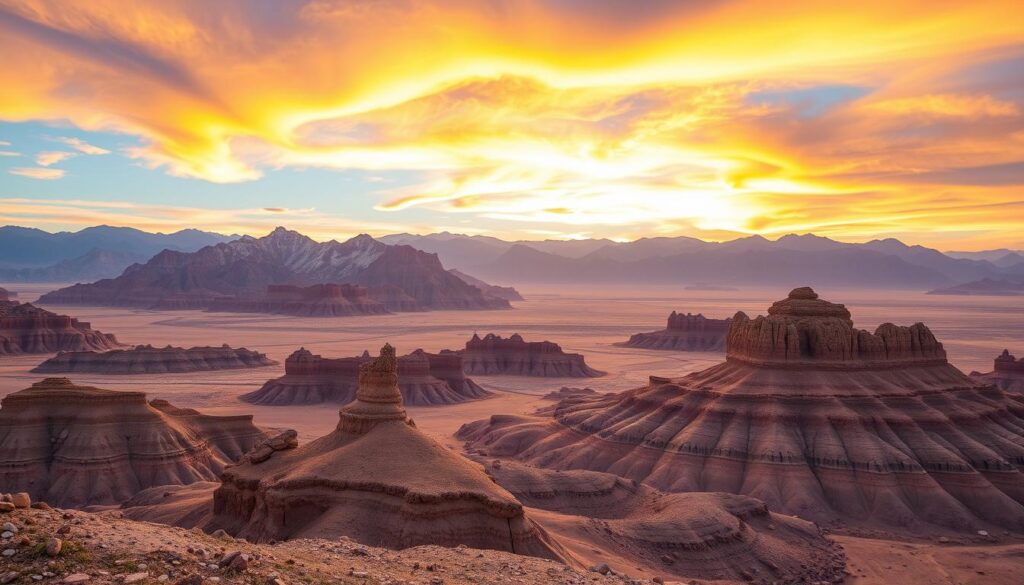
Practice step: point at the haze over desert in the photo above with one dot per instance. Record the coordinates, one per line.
(512, 292)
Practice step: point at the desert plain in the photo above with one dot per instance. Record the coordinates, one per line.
(592, 322)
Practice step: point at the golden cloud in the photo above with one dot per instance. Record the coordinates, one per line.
(724, 117)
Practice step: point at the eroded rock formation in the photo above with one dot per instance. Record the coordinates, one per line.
(6, 295)
(25, 328)
(425, 379)
(75, 446)
(809, 414)
(713, 536)
(376, 479)
(494, 355)
(319, 300)
(1008, 373)
(685, 332)
(146, 359)
(236, 275)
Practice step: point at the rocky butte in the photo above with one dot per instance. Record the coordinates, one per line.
(424, 379)
(146, 359)
(6, 295)
(25, 328)
(685, 332)
(494, 355)
(376, 479)
(812, 416)
(76, 446)
(1008, 373)
(237, 275)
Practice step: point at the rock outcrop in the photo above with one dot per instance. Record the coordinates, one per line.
(1008, 373)
(376, 479)
(6, 295)
(425, 379)
(708, 536)
(808, 414)
(502, 292)
(496, 356)
(237, 274)
(75, 446)
(25, 328)
(319, 300)
(685, 332)
(146, 359)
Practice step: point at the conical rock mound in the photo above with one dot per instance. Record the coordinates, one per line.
(75, 446)
(376, 479)
(809, 414)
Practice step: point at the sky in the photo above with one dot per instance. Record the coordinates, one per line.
(523, 119)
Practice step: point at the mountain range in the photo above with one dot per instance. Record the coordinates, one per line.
(754, 260)
(33, 255)
(399, 277)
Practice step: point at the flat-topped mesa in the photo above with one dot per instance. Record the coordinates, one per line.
(424, 379)
(376, 479)
(685, 332)
(76, 446)
(808, 414)
(805, 331)
(318, 300)
(146, 359)
(496, 355)
(25, 328)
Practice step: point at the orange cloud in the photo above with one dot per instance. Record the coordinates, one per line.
(718, 116)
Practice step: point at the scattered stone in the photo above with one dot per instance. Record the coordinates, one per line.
(8, 577)
(135, 577)
(10, 527)
(6, 507)
(190, 580)
(603, 569)
(221, 534)
(76, 578)
(10, 552)
(21, 500)
(54, 546)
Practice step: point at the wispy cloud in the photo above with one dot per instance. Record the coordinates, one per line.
(82, 146)
(41, 173)
(9, 153)
(45, 159)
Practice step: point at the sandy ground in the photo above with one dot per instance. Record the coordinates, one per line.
(973, 329)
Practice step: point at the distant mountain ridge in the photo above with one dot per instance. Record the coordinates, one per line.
(401, 277)
(754, 260)
(33, 255)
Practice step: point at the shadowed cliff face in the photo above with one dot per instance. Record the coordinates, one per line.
(685, 332)
(146, 359)
(78, 446)
(809, 414)
(496, 355)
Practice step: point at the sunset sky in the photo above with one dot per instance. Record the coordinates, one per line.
(518, 119)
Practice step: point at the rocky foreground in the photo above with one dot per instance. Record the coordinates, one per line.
(44, 545)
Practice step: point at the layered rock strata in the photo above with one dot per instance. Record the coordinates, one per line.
(494, 355)
(319, 300)
(424, 379)
(376, 479)
(146, 359)
(685, 332)
(76, 446)
(25, 328)
(809, 414)
(708, 536)
(1007, 373)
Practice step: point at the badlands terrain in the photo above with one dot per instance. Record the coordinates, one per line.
(973, 332)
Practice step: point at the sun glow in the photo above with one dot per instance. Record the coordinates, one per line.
(736, 117)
